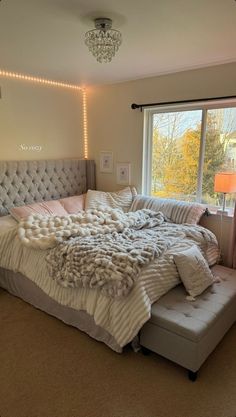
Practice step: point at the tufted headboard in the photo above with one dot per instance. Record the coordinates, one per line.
(26, 182)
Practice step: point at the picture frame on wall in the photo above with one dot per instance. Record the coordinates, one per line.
(123, 173)
(106, 161)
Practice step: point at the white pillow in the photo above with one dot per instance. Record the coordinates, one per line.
(120, 199)
(193, 270)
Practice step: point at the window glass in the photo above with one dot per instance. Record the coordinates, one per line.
(220, 153)
(173, 166)
(175, 154)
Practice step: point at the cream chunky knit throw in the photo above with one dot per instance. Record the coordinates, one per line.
(110, 262)
(45, 232)
(96, 248)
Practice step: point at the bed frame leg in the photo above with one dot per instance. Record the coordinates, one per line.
(192, 376)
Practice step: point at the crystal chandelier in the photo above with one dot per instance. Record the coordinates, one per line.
(103, 41)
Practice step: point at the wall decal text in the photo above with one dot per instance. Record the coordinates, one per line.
(32, 148)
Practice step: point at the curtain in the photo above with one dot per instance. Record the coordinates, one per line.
(232, 247)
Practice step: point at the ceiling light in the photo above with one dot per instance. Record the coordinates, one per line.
(103, 41)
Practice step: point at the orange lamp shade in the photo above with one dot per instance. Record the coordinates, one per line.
(225, 182)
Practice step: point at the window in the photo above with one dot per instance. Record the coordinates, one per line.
(184, 147)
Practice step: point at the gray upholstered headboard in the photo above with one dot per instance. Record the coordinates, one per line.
(26, 182)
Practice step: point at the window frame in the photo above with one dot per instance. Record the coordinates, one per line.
(148, 134)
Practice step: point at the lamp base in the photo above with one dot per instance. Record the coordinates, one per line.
(222, 212)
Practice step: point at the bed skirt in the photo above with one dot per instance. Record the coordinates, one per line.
(22, 287)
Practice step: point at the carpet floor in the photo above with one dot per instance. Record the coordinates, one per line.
(48, 369)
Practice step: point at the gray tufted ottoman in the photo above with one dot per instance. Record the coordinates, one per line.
(186, 332)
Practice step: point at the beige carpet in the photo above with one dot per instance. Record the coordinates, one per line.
(48, 369)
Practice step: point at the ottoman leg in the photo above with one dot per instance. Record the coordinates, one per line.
(192, 375)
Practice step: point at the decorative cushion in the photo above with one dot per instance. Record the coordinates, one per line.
(193, 270)
(175, 211)
(6, 223)
(52, 207)
(73, 204)
(120, 199)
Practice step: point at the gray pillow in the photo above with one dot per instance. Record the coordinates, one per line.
(193, 270)
(176, 211)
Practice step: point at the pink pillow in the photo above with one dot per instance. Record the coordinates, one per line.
(73, 204)
(52, 208)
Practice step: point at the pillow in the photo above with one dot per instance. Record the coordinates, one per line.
(193, 270)
(52, 207)
(6, 223)
(73, 204)
(120, 199)
(175, 210)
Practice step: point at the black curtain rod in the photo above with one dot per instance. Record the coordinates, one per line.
(165, 103)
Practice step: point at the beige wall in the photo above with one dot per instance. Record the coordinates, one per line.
(36, 115)
(114, 126)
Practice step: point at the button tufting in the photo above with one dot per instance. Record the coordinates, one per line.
(27, 182)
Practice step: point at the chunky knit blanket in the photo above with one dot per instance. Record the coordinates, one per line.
(46, 232)
(110, 262)
(95, 248)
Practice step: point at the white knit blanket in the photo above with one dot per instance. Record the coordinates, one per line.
(109, 262)
(45, 232)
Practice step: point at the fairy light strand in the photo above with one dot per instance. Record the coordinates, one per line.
(85, 123)
(44, 81)
(38, 80)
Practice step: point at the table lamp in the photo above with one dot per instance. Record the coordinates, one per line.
(225, 182)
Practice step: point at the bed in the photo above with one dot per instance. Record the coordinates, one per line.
(24, 272)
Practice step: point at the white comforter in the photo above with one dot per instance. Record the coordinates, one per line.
(122, 318)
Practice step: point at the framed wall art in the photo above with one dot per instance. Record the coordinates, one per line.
(123, 173)
(106, 161)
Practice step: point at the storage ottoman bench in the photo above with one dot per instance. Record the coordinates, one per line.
(186, 332)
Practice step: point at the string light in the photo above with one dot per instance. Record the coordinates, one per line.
(38, 80)
(85, 123)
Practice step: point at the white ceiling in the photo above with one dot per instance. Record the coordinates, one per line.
(46, 37)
